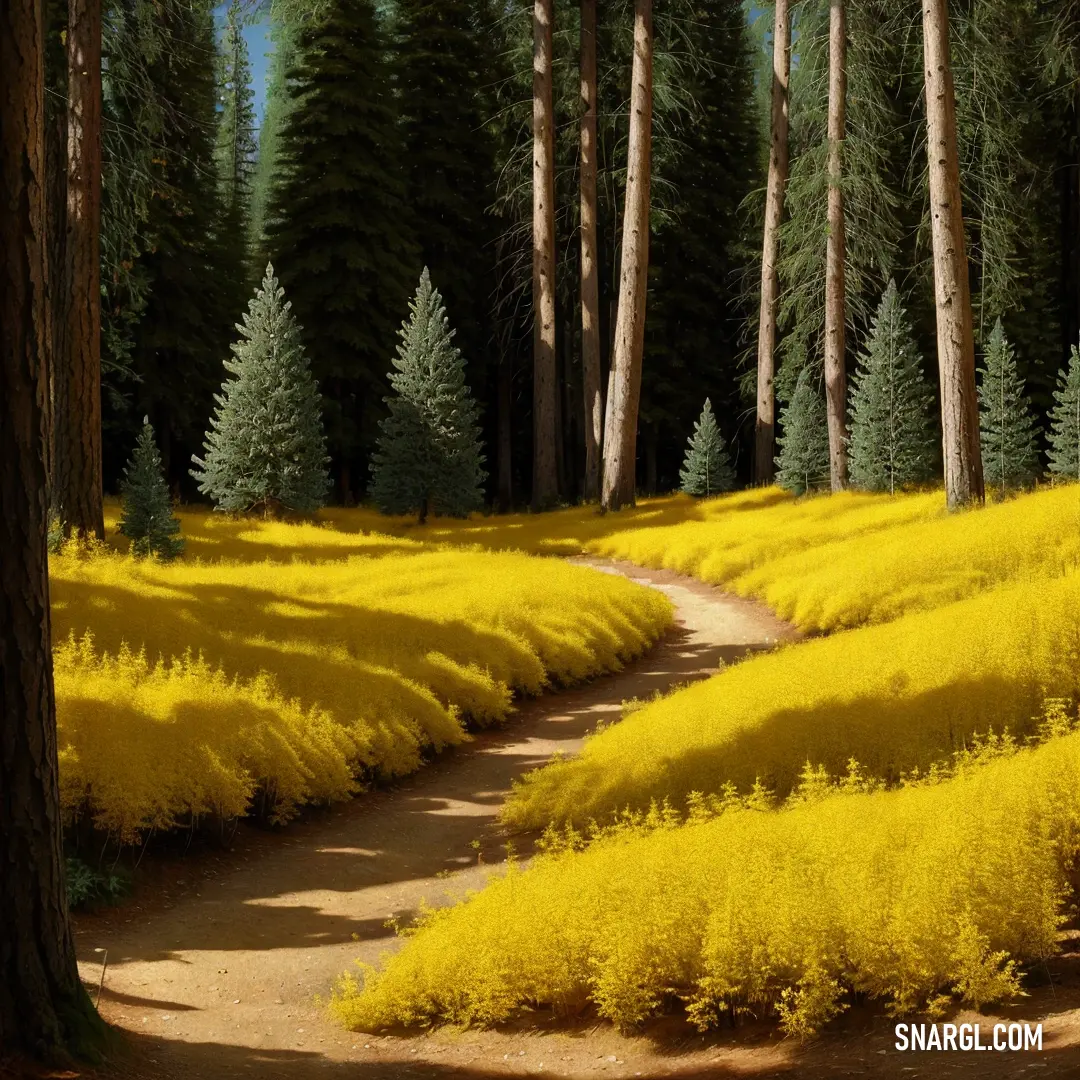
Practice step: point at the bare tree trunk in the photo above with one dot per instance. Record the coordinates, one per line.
(43, 1009)
(590, 282)
(620, 436)
(77, 371)
(956, 342)
(765, 433)
(835, 305)
(545, 475)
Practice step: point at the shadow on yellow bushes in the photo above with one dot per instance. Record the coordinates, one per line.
(905, 895)
(840, 561)
(896, 697)
(393, 652)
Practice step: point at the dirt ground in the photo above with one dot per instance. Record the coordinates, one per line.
(216, 972)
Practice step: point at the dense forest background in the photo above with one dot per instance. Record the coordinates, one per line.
(397, 135)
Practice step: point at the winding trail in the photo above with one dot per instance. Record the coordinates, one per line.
(219, 977)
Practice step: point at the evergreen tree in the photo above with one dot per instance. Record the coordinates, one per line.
(444, 69)
(266, 449)
(191, 304)
(338, 224)
(147, 517)
(1065, 422)
(429, 457)
(874, 163)
(276, 110)
(1008, 434)
(698, 252)
(803, 462)
(236, 150)
(707, 467)
(892, 442)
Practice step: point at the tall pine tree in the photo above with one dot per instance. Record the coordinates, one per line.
(703, 244)
(147, 518)
(184, 329)
(338, 225)
(707, 467)
(803, 461)
(429, 458)
(265, 449)
(444, 72)
(279, 103)
(1008, 436)
(892, 443)
(1065, 422)
(235, 152)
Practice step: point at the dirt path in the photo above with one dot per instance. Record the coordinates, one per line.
(220, 980)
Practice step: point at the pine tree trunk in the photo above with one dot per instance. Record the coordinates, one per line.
(956, 344)
(620, 436)
(545, 476)
(835, 307)
(43, 1009)
(77, 369)
(590, 283)
(765, 433)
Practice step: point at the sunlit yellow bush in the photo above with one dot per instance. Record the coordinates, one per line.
(905, 894)
(896, 696)
(389, 655)
(840, 561)
(146, 746)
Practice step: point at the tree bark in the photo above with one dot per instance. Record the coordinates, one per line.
(765, 433)
(43, 1009)
(620, 436)
(835, 305)
(77, 370)
(590, 282)
(545, 476)
(956, 342)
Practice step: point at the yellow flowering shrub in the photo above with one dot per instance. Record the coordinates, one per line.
(897, 697)
(906, 895)
(150, 746)
(290, 678)
(840, 561)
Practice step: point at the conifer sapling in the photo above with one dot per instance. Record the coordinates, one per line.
(892, 442)
(1065, 422)
(429, 457)
(266, 449)
(146, 515)
(707, 467)
(1006, 426)
(803, 461)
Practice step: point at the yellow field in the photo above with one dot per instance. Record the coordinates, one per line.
(840, 561)
(897, 697)
(293, 678)
(824, 563)
(903, 889)
(905, 895)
